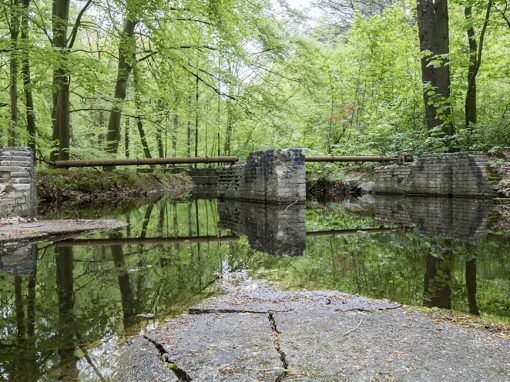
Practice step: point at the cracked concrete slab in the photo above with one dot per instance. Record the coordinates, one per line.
(142, 365)
(395, 345)
(45, 229)
(221, 346)
(256, 332)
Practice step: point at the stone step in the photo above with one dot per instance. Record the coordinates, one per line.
(15, 163)
(15, 152)
(10, 169)
(19, 187)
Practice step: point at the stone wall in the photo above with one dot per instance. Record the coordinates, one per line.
(17, 183)
(453, 174)
(273, 229)
(271, 176)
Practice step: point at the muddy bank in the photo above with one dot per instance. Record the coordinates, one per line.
(58, 186)
(257, 332)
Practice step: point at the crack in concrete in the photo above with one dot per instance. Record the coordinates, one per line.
(227, 310)
(368, 310)
(181, 374)
(276, 342)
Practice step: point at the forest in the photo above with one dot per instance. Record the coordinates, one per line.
(131, 78)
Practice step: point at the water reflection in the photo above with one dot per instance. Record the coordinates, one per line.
(273, 229)
(64, 304)
(448, 218)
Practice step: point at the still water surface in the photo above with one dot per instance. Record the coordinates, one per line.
(65, 306)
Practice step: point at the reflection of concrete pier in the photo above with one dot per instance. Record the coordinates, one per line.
(18, 258)
(449, 218)
(277, 230)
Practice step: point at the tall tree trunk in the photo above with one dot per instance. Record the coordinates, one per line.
(143, 138)
(168, 127)
(475, 60)
(188, 132)
(434, 39)
(126, 138)
(139, 123)
(159, 141)
(27, 81)
(174, 135)
(470, 102)
(13, 71)
(218, 124)
(228, 132)
(197, 95)
(124, 67)
(101, 136)
(61, 126)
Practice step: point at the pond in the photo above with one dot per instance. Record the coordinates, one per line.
(65, 306)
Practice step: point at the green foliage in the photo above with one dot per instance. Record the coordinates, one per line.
(237, 76)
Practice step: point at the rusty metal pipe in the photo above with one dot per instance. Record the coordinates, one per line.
(405, 158)
(142, 161)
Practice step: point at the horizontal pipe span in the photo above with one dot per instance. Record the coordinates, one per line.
(358, 159)
(142, 161)
(224, 159)
(204, 239)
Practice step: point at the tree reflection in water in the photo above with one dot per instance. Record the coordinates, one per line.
(62, 312)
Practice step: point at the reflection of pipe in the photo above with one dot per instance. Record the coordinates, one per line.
(350, 232)
(208, 239)
(147, 240)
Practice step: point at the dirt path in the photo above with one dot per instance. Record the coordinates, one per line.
(257, 333)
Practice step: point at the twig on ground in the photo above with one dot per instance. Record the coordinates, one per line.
(352, 330)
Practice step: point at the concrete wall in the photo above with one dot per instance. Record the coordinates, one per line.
(453, 174)
(271, 176)
(17, 183)
(274, 229)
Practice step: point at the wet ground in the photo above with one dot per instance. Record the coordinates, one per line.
(258, 333)
(67, 306)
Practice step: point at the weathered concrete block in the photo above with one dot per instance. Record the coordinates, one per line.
(267, 176)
